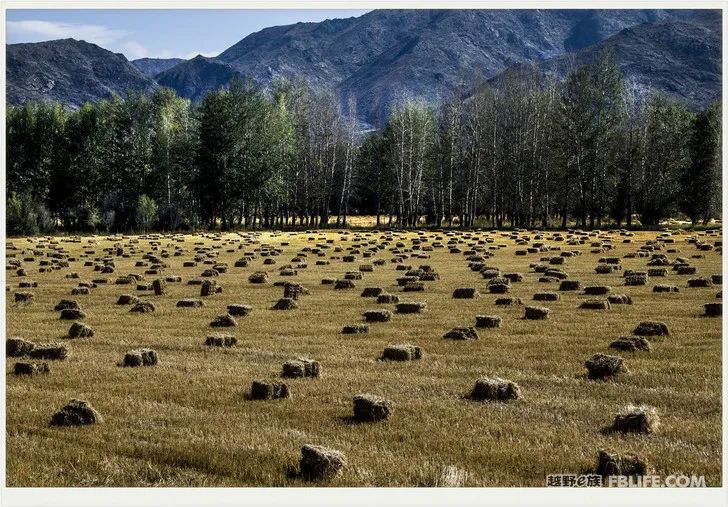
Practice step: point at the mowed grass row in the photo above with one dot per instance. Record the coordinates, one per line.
(187, 422)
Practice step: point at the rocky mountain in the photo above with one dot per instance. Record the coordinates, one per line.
(193, 78)
(69, 71)
(386, 54)
(680, 58)
(153, 66)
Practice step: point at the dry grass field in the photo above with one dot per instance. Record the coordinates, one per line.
(188, 421)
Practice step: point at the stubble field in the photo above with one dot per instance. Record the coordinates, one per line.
(188, 421)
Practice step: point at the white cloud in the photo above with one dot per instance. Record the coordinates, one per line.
(36, 31)
(133, 50)
(118, 41)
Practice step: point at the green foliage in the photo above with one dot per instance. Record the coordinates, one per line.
(524, 154)
(26, 216)
(147, 211)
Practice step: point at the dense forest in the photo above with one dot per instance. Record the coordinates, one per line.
(590, 150)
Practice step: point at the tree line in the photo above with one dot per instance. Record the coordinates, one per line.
(532, 152)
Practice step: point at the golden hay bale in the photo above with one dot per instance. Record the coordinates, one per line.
(320, 463)
(603, 366)
(461, 333)
(536, 313)
(495, 389)
(403, 352)
(22, 368)
(652, 328)
(377, 316)
(18, 347)
(355, 329)
(80, 330)
(488, 321)
(220, 340)
(225, 320)
(76, 413)
(613, 463)
(260, 390)
(465, 293)
(636, 419)
(631, 344)
(371, 408)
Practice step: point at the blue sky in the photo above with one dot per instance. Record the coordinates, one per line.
(155, 33)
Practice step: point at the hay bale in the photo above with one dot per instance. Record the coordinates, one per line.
(699, 282)
(536, 313)
(80, 330)
(225, 320)
(619, 299)
(461, 333)
(488, 321)
(258, 277)
(631, 344)
(190, 303)
(22, 368)
(371, 408)
(127, 299)
(652, 328)
(595, 304)
(546, 296)
(17, 347)
(260, 390)
(24, 297)
(220, 340)
(72, 314)
(49, 351)
(387, 298)
(465, 293)
(570, 285)
(76, 413)
(713, 309)
(141, 357)
(67, 304)
(301, 367)
(636, 280)
(613, 463)
(344, 284)
(495, 389)
(402, 352)
(370, 292)
(294, 290)
(414, 287)
(716, 279)
(498, 288)
(603, 366)
(285, 304)
(143, 307)
(208, 288)
(239, 310)
(159, 286)
(377, 316)
(80, 291)
(597, 290)
(321, 463)
(411, 307)
(636, 419)
(508, 301)
(661, 287)
(355, 329)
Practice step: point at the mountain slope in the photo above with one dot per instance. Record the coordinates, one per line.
(681, 58)
(69, 71)
(193, 78)
(386, 54)
(153, 66)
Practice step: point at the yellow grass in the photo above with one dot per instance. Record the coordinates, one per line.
(186, 422)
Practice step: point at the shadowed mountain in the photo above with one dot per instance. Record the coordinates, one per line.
(153, 66)
(69, 71)
(384, 55)
(680, 58)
